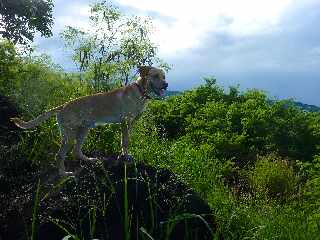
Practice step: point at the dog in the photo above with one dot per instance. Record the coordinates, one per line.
(121, 105)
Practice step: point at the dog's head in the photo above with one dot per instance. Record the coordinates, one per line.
(153, 80)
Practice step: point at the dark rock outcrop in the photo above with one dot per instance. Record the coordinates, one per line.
(105, 200)
(101, 199)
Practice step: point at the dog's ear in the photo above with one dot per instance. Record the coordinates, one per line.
(144, 70)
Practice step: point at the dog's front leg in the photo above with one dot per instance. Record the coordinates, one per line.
(125, 127)
(125, 136)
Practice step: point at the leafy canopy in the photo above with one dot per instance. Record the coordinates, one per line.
(20, 19)
(237, 125)
(113, 46)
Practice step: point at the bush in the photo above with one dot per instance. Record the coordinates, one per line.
(273, 177)
(8, 65)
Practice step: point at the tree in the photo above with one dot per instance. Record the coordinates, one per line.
(20, 19)
(113, 46)
(9, 60)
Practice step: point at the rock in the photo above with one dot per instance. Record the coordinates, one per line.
(91, 205)
(157, 202)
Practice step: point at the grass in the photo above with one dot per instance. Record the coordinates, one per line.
(35, 212)
(126, 219)
(146, 229)
(244, 218)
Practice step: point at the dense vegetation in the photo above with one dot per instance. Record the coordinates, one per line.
(255, 161)
(20, 20)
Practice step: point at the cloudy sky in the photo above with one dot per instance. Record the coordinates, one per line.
(273, 45)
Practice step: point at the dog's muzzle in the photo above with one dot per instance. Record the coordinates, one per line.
(163, 89)
(160, 91)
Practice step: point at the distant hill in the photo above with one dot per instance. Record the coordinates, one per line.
(302, 106)
(172, 93)
(307, 107)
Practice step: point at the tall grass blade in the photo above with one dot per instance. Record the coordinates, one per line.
(56, 187)
(144, 231)
(172, 222)
(126, 214)
(69, 235)
(35, 212)
(92, 219)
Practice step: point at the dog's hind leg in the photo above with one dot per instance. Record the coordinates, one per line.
(82, 132)
(67, 138)
(61, 155)
(125, 128)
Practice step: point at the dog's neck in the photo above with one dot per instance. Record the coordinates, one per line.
(142, 88)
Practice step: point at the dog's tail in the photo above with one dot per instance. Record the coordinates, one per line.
(35, 122)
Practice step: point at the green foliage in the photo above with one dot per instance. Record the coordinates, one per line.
(238, 126)
(35, 82)
(45, 86)
(273, 177)
(104, 140)
(20, 19)
(8, 65)
(172, 117)
(112, 48)
(204, 135)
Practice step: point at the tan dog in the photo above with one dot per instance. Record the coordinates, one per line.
(121, 105)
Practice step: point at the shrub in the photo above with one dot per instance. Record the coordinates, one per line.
(272, 177)
(8, 65)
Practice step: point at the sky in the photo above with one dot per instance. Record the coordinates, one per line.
(272, 45)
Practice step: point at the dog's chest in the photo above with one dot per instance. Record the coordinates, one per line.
(132, 107)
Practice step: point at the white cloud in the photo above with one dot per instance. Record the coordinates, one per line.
(272, 45)
(71, 14)
(191, 21)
